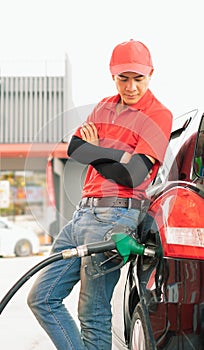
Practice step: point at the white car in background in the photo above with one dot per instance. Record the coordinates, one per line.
(17, 241)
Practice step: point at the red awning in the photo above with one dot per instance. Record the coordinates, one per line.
(35, 150)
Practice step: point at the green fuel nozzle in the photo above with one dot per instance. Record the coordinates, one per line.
(127, 245)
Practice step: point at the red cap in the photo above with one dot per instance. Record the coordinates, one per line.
(131, 56)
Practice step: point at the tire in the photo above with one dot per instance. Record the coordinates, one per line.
(139, 335)
(23, 248)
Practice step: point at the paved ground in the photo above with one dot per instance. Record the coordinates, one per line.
(18, 328)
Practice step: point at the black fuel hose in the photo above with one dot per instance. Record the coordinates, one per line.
(26, 277)
(80, 251)
(125, 245)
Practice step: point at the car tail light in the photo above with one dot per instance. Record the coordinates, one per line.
(180, 220)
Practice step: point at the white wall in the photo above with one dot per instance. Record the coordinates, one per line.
(87, 30)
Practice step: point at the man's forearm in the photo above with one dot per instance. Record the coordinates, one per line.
(86, 153)
(131, 174)
(106, 161)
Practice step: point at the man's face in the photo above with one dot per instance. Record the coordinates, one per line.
(131, 86)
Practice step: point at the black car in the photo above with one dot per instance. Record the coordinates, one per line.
(158, 303)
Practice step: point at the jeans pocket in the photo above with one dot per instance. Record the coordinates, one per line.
(104, 215)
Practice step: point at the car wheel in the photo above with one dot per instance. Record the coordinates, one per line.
(23, 248)
(139, 335)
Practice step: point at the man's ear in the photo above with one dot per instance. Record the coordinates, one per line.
(150, 74)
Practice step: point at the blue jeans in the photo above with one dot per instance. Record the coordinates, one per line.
(56, 281)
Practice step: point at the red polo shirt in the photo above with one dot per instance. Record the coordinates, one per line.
(144, 128)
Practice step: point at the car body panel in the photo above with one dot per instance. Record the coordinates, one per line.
(166, 292)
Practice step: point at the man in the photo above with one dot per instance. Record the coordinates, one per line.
(123, 141)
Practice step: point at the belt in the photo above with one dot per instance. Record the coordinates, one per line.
(130, 203)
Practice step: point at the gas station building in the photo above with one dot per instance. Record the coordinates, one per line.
(36, 120)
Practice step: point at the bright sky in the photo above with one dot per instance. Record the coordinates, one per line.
(87, 31)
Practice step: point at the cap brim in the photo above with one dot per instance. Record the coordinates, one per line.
(131, 67)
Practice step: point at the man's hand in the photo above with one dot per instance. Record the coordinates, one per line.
(89, 133)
